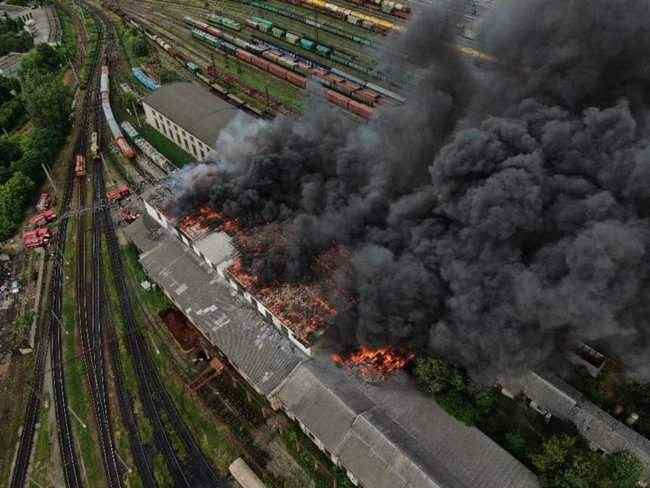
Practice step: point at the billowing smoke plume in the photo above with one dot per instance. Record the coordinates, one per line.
(497, 215)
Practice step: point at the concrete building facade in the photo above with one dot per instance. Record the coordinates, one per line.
(189, 116)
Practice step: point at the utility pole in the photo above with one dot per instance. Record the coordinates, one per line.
(49, 177)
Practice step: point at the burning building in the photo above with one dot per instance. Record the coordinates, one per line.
(383, 436)
(302, 311)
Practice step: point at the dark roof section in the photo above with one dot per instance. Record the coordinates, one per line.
(392, 436)
(599, 428)
(194, 108)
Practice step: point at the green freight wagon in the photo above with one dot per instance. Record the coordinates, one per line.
(220, 20)
(276, 32)
(264, 25)
(323, 50)
(307, 44)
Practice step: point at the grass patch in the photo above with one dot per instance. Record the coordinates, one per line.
(44, 443)
(166, 147)
(22, 326)
(14, 394)
(155, 299)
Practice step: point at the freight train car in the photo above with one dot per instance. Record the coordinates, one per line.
(291, 14)
(43, 218)
(79, 165)
(353, 17)
(121, 143)
(347, 103)
(145, 80)
(146, 148)
(252, 59)
(221, 21)
(37, 237)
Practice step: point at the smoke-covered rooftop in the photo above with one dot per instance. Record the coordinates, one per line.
(500, 213)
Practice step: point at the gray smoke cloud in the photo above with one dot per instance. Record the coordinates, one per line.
(498, 214)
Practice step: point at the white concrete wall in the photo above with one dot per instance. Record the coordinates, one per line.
(175, 133)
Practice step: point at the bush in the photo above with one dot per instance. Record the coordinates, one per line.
(11, 114)
(15, 195)
(567, 462)
(452, 389)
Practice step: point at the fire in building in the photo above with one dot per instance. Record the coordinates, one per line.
(383, 436)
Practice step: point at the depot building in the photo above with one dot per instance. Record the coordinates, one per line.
(189, 116)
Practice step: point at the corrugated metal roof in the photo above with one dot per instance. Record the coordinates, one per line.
(193, 108)
(393, 436)
(597, 426)
(252, 346)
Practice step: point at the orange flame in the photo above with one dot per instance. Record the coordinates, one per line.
(374, 365)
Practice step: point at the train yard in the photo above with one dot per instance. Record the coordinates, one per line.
(336, 45)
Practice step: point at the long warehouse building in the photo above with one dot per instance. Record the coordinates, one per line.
(189, 116)
(384, 436)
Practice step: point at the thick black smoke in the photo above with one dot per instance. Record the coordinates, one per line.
(497, 215)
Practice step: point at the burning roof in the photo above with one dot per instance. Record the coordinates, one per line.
(374, 365)
(302, 307)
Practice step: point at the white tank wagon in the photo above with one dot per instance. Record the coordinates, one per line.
(245, 475)
(126, 150)
(147, 149)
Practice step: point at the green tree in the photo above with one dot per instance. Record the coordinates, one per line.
(10, 114)
(139, 46)
(48, 102)
(625, 470)
(9, 151)
(567, 462)
(555, 455)
(43, 60)
(516, 445)
(14, 197)
(452, 389)
(9, 87)
(40, 148)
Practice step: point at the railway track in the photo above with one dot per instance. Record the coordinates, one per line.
(186, 463)
(89, 302)
(50, 335)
